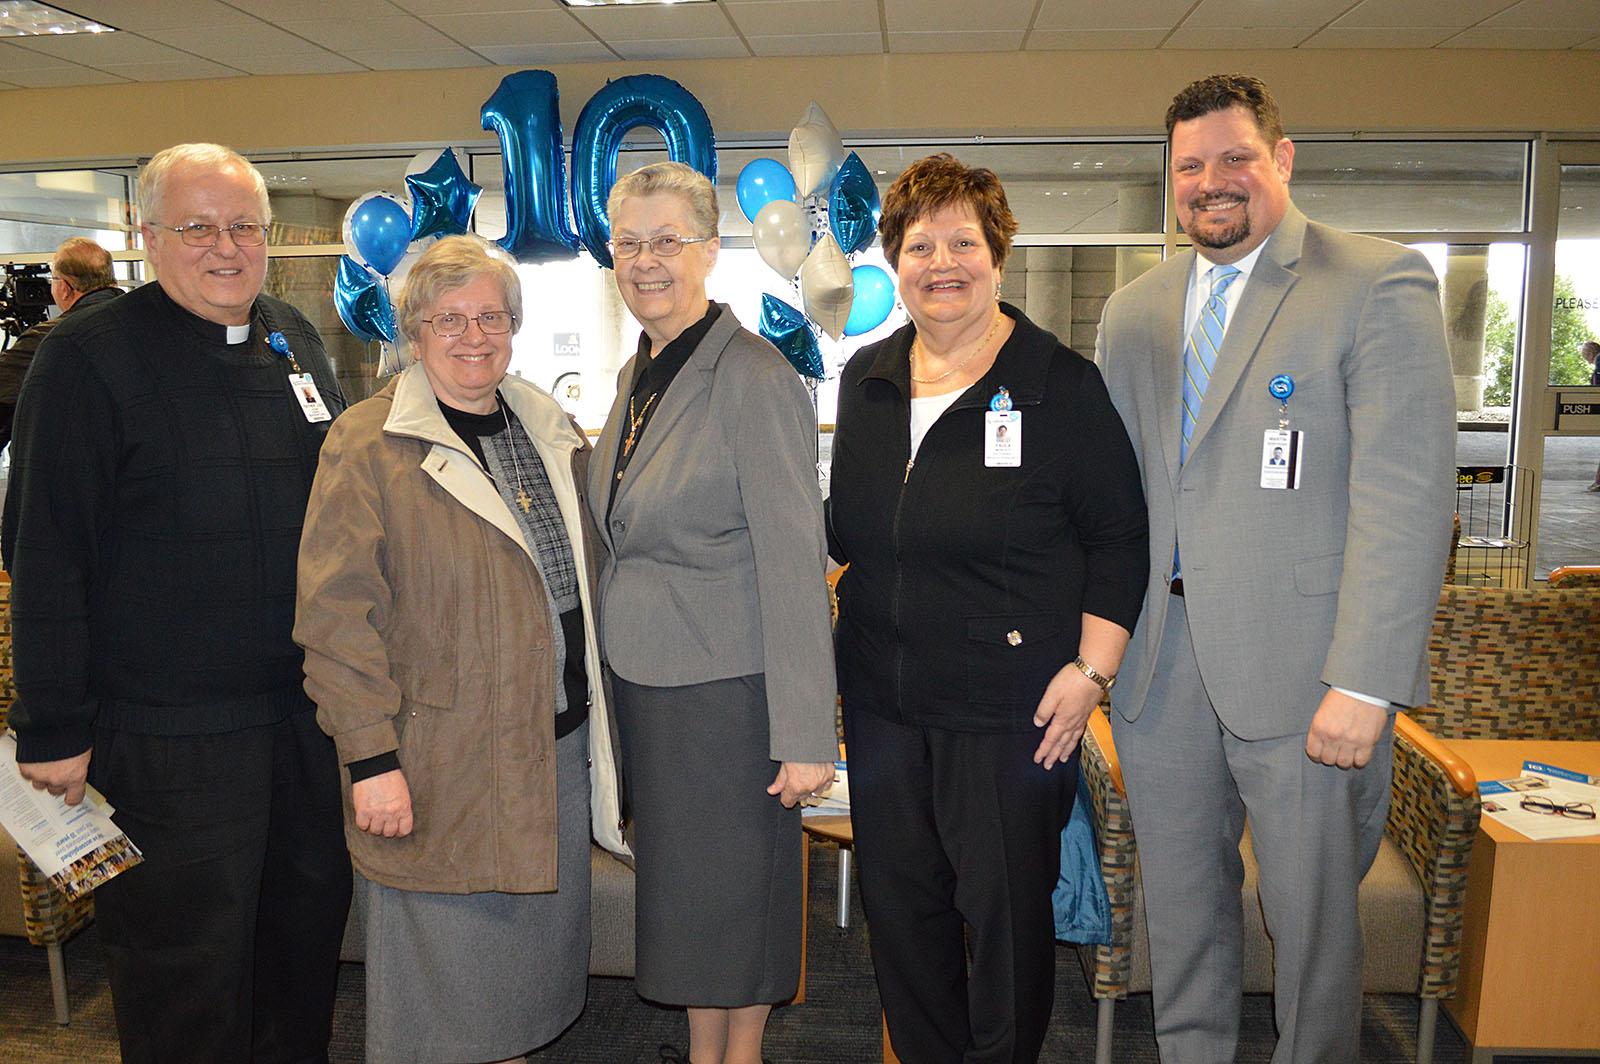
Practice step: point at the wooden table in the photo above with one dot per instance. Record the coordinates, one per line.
(836, 828)
(1530, 958)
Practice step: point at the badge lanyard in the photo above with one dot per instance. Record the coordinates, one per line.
(1002, 433)
(300, 382)
(1282, 448)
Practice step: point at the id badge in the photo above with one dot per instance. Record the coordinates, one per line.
(1282, 451)
(1002, 439)
(305, 392)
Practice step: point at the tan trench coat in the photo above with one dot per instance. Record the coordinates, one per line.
(424, 620)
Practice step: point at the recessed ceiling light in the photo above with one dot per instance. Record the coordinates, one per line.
(631, 3)
(24, 18)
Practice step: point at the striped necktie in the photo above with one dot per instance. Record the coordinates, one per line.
(1200, 353)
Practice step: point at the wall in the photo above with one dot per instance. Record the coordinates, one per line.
(1009, 93)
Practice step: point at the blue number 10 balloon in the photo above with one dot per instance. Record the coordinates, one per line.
(525, 114)
(623, 105)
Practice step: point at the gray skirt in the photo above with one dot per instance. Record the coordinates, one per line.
(487, 976)
(718, 859)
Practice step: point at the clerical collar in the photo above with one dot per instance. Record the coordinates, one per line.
(238, 334)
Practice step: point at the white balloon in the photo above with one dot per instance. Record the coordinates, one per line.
(815, 151)
(826, 286)
(781, 236)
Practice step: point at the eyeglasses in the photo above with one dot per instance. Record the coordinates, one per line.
(492, 323)
(202, 235)
(664, 246)
(1575, 810)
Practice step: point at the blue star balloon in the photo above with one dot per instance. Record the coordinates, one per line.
(442, 198)
(362, 303)
(853, 206)
(788, 330)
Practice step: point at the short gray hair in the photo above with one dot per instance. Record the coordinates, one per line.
(83, 264)
(452, 263)
(153, 179)
(680, 179)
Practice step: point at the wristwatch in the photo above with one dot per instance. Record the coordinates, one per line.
(1099, 678)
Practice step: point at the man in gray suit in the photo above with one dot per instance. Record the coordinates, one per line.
(1289, 606)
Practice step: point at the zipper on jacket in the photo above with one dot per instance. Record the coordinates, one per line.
(899, 589)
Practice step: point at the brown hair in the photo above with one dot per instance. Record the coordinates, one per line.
(940, 181)
(83, 264)
(1222, 91)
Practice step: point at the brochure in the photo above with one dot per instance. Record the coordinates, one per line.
(1546, 785)
(77, 847)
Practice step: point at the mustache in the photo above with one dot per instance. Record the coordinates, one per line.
(1207, 199)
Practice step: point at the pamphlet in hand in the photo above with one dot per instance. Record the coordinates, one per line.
(836, 801)
(1545, 802)
(77, 847)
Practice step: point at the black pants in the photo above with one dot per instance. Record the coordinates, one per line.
(958, 836)
(223, 946)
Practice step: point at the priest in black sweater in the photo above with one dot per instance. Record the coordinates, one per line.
(163, 453)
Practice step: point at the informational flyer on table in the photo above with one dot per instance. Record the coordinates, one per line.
(1545, 802)
(77, 847)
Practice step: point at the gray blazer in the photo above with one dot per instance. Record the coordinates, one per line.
(717, 548)
(1289, 592)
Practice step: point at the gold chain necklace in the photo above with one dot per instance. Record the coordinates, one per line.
(635, 422)
(524, 500)
(916, 345)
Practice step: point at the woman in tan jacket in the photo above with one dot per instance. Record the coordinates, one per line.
(446, 610)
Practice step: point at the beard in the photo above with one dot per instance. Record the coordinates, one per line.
(1208, 235)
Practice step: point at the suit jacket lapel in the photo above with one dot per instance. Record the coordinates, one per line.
(1166, 336)
(692, 380)
(1269, 283)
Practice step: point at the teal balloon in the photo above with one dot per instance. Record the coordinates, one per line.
(788, 330)
(761, 182)
(853, 206)
(362, 303)
(442, 198)
(874, 299)
(380, 232)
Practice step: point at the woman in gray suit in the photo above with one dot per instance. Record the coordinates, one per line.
(714, 622)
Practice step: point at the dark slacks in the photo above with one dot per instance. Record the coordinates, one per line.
(958, 836)
(223, 945)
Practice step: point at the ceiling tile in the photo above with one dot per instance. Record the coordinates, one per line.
(590, 51)
(99, 49)
(713, 48)
(703, 21)
(225, 43)
(819, 44)
(1549, 15)
(61, 77)
(509, 28)
(140, 15)
(969, 41)
(797, 18)
(397, 33)
(1516, 37)
(1076, 15)
(1260, 13)
(945, 16)
(281, 11)
(319, 61)
(449, 57)
(430, 8)
(1093, 40)
(1376, 37)
(1448, 14)
(174, 70)
(1235, 38)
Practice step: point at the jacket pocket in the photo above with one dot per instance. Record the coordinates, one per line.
(1319, 576)
(1011, 656)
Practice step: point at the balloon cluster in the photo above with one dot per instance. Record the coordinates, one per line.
(807, 219)
(380, 232)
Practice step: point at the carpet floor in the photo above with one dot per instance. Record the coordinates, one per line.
(839, 1021)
